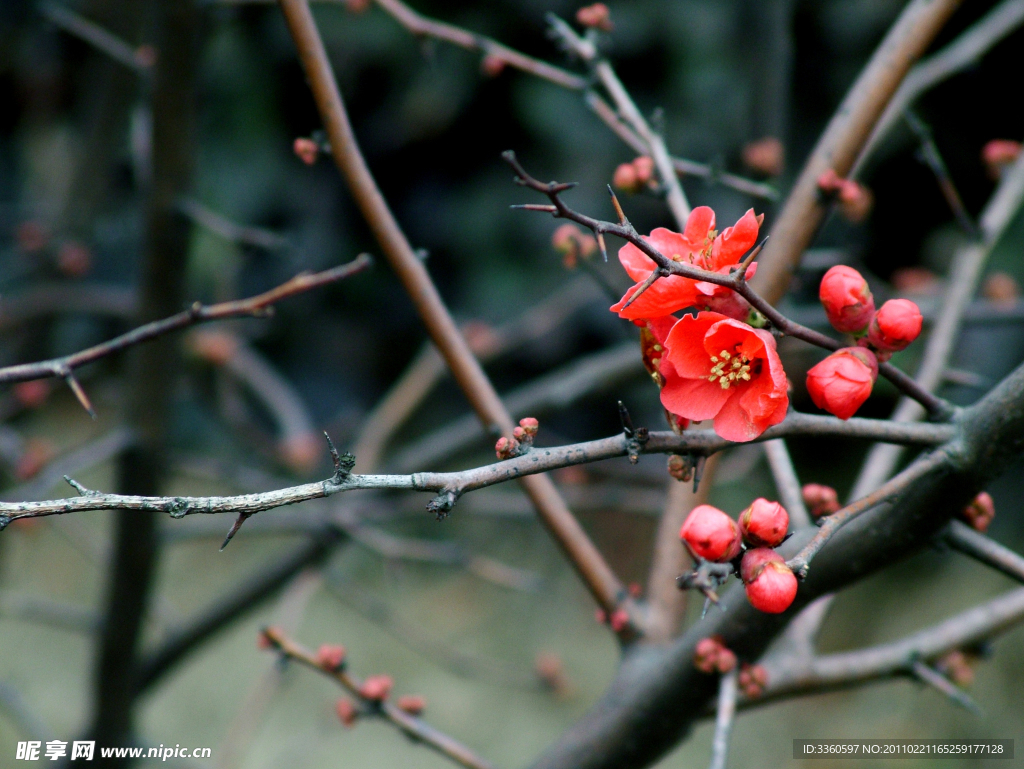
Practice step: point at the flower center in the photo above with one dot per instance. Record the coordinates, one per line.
(729, 368)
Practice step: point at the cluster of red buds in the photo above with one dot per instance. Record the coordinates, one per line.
(574, 244)
(980, 512)
(752, 680)
(521, 440)
(855, 200)
(633, 177)
(843, 381)
(711, 535)
(820, 500)
(596, 16)
(306, 150)
(331, 657)
(712, 655)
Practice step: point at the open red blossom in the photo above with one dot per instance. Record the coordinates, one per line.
(843, 381)
(698, 245)
(724, 370)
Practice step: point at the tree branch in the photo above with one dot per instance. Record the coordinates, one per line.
(413, 727)
(450, 486)
(581, 552)
(979, 547)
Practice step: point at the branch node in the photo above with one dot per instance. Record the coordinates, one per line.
(177, 507)
(343, 463)
(442, 504)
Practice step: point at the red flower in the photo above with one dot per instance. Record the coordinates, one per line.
(764, 523)
(820, 500)
(896, 324)
(847, 299)
(710, 534)
(724, 370)
(698, 245)
(843, 381)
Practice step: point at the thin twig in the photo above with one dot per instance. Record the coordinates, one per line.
(450, 486)
(602, 69)
(727, 690)
(413, 727)
(929, 675)
(979, 547)
(932, 158)
(832, 523)
(139, 60)
(787, 484)
(232, 231)
(197, 313)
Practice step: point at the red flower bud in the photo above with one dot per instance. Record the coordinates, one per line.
(506, 448)
(679, 468)
(492, 65)
(306, 150)
(625, 179)
(705, 655)
(346, 711)
(764, 523)
(980, 512)
(820, 500)
(376, 688)
(726, 660)
(644, 168)
(754, 559)
(412, 704)
(752, 680)
(711, 534)
(596, 15)
(772, 587)
(530, 426)
(847, 299)
(843, 381)
(330, 657)
(519, 434)
(619, 620)
(896, 324)
(998, 154)
(766, 156)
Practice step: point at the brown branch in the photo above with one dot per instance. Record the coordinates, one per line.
(800, 563)
(581, 552)
(938, 408)
(955, 57)
(844, 137)
(414, 728)
(979, 547)
(139, 59)
(450, 486)
(197, 313)
(231, 231)
(424, 26)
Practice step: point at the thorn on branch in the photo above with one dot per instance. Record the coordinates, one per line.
(648, 282)
(80, 488)
(242, 518)
(618, 207)
(76, 388)
(636, 437)
(627, 422)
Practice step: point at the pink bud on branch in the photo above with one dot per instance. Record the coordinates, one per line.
(764, 523)
(847, 299)
(842, 382)
(710, 534)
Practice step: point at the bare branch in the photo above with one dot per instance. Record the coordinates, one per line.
(197, 313)
(599, 578)
(450, 486)
(413, 727)
(970, 542)
(140, 60)
(602, 69)
(231, 231)
(931, 157)
(845, 136)
(727, 691)
(787, 484)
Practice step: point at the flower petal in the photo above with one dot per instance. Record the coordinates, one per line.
(735, 241)
(700, 221)
(663, 297)
(685, 348)
(695, 399)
